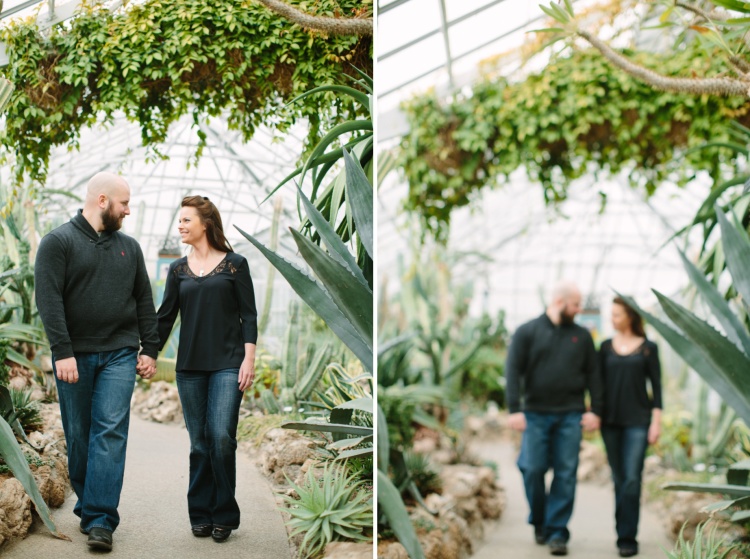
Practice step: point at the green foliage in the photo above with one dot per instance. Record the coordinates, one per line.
(392, 508)
(400, 418)
(157, 61)
(422, 472)
(578, 116)
(332, 508)
(719, 359)
(704, 546)
(28, 411)
(4, 368)
(341, 295)
(352, 138)
(13, 456)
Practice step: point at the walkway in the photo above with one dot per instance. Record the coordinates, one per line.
(153, 509)
(592, 526)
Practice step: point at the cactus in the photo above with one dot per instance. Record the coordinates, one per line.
(273, 244)
(314, 372)
(269, 401)
(291, 342)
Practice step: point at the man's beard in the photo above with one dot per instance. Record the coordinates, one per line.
(110, 221)
(566, 319)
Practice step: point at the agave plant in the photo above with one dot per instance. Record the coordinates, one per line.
(331, 508)
(13, 456)
(721, 359)
(354, 138)
(705, 545)
(341, 295)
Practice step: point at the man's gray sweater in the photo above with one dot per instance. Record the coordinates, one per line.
(93, 292)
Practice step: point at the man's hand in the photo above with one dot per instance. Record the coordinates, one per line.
(67, 370)
(517, 421)
(247, 374)
(146, 367)
(590, 421)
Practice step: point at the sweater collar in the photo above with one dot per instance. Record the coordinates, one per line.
(81, 223)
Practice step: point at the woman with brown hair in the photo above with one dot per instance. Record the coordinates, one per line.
(632, 418)
(212, 290)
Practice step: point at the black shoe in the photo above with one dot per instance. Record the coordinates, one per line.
(100, 538)
(539, 536)
(82, 529)
(202, 530)
(628, 550)
(558, 547)
(220, 534)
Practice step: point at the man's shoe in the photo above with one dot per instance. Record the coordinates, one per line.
(539, 535)
(558, 547)
(202, 530)
(220, 534)
(82, 529)
(628, 551)
(100, 538)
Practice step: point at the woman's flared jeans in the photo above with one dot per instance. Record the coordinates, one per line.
(210, 404)
(626, 451)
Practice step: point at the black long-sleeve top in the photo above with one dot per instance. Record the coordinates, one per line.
(626, 378)
(550, 367)
(93, 291)
(217, 311)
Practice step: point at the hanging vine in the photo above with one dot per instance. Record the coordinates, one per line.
(579, 115)
(157, 61)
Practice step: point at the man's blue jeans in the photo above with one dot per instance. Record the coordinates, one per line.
(211, 404)
(551, 440)
(626, 451)
(96, 416)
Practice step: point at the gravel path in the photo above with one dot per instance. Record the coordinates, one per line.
(592, 526)
(153, 509)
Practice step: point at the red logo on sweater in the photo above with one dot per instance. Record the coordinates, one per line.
(123, 253)
(575, 339)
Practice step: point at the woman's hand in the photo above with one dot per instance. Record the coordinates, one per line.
(247, 373)
(654, 431)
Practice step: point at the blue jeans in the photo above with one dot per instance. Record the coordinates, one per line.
(551, 440)
(626, 451)
(211, 405)
(96, 416)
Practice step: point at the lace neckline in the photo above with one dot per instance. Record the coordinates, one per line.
(220, 267)
(635, 351)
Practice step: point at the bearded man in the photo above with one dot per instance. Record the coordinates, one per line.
(551, 364)
(94, 299)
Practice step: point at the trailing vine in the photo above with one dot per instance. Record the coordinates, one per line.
(578, 116)
(157, 61)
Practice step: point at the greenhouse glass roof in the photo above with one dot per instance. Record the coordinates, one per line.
(512, 245)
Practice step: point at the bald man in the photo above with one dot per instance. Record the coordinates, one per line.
(94, 299)
(551, 364)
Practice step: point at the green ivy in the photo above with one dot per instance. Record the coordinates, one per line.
(578, 116)
(157, 61)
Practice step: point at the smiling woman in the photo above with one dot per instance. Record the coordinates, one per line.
(212, 291)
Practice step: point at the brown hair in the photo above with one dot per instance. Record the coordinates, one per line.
(209, 217)
(636, 322)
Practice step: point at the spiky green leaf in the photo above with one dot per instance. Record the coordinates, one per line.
(312, 293)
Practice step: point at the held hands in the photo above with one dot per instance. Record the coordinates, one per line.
(517, 421)
(146, 367)
(247, 373)
(590, 421)
(67, 370)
